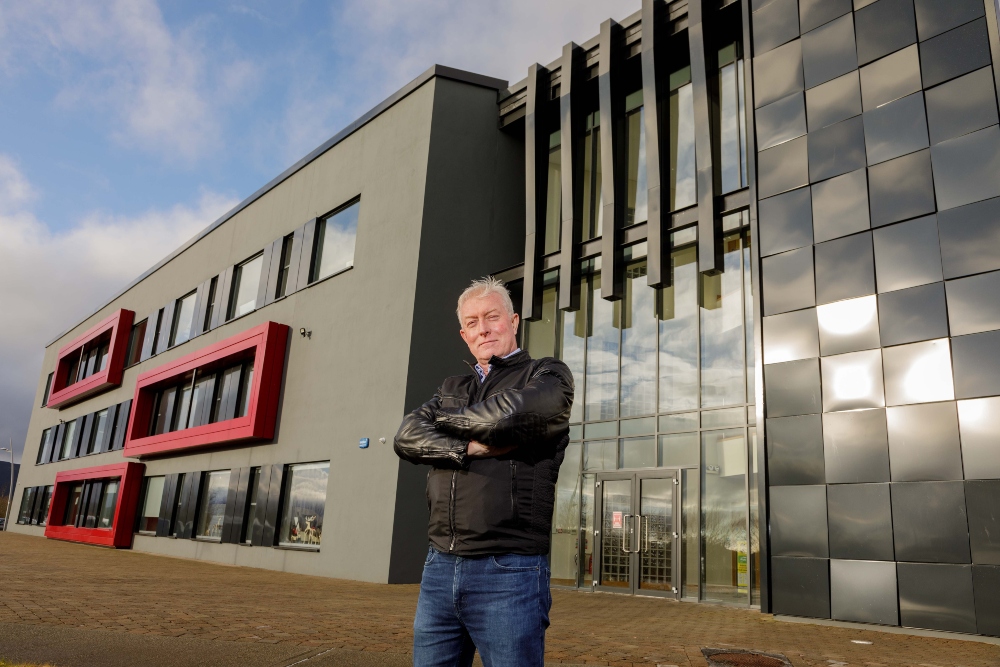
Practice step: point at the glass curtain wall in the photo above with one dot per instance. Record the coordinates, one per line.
(592, 208)
(683, 190)
(663, 379)
(553, 195)
(733, 120)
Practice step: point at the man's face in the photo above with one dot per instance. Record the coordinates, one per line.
(487, 328)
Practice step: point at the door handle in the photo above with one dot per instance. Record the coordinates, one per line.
(646, 547)
(638, 534)
(625, 520)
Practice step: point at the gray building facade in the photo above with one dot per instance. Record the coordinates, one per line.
(764, 235)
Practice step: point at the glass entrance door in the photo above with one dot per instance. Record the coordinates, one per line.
(636, 532)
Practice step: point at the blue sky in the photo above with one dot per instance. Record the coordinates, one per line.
(127, 126)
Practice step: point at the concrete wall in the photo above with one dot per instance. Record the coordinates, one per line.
(350, 379)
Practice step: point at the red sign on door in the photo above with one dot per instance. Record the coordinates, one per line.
(616, 519)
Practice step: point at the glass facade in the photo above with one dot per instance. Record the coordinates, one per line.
(304, 504)
(664, 382)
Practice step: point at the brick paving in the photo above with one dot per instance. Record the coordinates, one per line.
(48, 582)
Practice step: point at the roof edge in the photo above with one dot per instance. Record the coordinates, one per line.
(431, 72)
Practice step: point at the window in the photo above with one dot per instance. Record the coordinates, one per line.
(44, 447)
(285, 263)
(72, 368)
(152, 498)
(683, 190)
(107, 504)
(69, 433)
(48, 388)
(305, 499)
(97, 431)
(72, 508)
(43, 498)
(180, 330)
(175, 516)
(203, 398)
(27, 501)
(212, 505)
(246, 280)
(553, 195)
(636, 194)
(156, 333)
(135, 340)
(732, 125)
(593, 203)
(335, 237)
(251, 509)
(210, 309)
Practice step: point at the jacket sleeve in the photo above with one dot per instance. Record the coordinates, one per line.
(539, 411)
(419, 441)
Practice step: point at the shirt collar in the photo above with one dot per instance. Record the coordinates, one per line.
(482, 373)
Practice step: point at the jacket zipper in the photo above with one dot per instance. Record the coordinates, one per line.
(513, 489)
(454, 476)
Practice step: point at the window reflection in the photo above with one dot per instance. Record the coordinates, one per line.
(212, 505)
(593, 203)
(853, 381)
(636, 187)
(638, 363)
(678, 314)
(540, 335)
(848, 326)
(180, 331)
(732, 125)
(683, 191)
(725, 574)
(304, 504)
(602, 354)
(244, 289)
(572, 344)
(553, 195)
(565, 559)
(722, 342)
(335, 237)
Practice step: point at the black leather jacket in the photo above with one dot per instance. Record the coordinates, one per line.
(501, 504)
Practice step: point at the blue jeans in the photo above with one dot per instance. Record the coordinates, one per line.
(497, 604)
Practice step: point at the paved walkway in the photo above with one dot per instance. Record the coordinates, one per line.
(71, 605)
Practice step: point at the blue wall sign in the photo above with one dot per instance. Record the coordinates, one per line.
(363, 444)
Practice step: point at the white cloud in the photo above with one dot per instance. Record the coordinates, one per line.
(163, 89)
(51, 280)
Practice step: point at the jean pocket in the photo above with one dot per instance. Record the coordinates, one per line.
(516, 563)
(431, 553)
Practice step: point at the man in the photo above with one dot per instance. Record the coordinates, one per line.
(495, 439)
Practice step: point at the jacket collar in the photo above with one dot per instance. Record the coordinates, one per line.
(506, 362)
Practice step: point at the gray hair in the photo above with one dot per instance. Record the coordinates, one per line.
(482, 287)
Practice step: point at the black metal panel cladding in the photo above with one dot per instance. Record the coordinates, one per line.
(236, 514)
(269, 263)
(231, 502)
(270, 286)
(74, 448)
(166, 324)
(612, 113)
(273, 514)
(263, 485)
(571, 84)
(225, 286)
(200, 308)
(121, 424)
(56, 442)
(167, 503)
(292, 282)
(536, 153)
(654, 37)
(107, 440)
(150, 339)
(702, 64)
(88, 427)
(189, 510)
(308, 252)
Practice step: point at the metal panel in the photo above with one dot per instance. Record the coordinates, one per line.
(923, 442)
(936, 597)
(982, 498)
(860, 519)
(654, 91)
(986, 588)
(271, 259)
(147, 342)
(702, 69)
(231, 505)
(798, 521)
(570, 127)
(271, 288)
(74, 447)
(167, 504)
(800, 587)
(56, 443)
(121, 424)
(792, 388)
(856, 446)
(200, 308)
(536, 155)
(166, 324)
(863, 591)
(292, 282)
(273, 514)
(929, 522)
(223, 290)
(189, 511)
(795, 450)
(612, 111)
(308, 250)
(263, 486)
(88, 427)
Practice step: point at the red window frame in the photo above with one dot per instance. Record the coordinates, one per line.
(120, 326)
(265, 344)
(119, 536)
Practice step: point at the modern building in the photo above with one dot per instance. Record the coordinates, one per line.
(765, 236)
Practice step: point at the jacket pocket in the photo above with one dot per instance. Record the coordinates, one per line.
(513, 490)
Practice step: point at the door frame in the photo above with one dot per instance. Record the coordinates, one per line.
(636, 478)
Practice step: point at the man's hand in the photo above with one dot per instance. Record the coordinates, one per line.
(478, 450)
